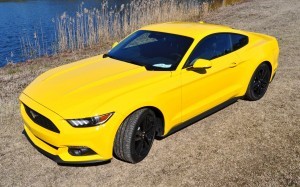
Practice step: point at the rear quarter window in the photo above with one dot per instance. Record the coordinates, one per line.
(238, 41)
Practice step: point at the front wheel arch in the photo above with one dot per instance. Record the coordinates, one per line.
(159, 115)
(135, 130)
(161, 121)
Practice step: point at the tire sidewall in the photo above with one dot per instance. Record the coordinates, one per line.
(250, 95)
(136, 158)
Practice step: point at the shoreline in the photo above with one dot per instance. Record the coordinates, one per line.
(98, 37)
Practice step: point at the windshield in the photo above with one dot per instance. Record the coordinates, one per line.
(154, 50)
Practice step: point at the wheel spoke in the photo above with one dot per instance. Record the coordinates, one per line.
(147, 144)
(148, 125)
(264, 84)
(256, 87)
(265, 74)
(147, 139)
(259, 74)
(138, 136)
(260, 82)
(256, 84)
(258, 90)
(149, 129)
(144, 135)
(139, 147)
(139, 133)
(261, 90)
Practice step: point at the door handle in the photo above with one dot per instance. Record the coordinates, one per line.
(233, 64)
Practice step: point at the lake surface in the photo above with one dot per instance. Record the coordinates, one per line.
(21, 20)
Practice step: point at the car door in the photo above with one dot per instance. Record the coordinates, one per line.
(203, 89)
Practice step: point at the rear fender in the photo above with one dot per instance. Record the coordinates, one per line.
(263, 48)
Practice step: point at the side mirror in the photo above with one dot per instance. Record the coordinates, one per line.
(114, 45)
(202, 64)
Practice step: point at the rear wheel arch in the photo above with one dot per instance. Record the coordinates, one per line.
(247, 77)
(259, 82)
(269, 65)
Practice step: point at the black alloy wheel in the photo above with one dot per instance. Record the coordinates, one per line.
(135, 136)
(144, 136)
(259, 82)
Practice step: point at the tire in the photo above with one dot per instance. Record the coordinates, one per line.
(259, 83)
(135, 136)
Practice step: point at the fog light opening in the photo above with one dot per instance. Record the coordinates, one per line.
(80, 151)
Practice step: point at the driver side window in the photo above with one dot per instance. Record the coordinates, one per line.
(211, 47)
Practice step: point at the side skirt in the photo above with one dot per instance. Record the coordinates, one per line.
(201, 116)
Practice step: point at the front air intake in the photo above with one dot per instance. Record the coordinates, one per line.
(40, 120)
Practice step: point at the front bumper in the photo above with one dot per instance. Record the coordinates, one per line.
(55, 145)
(56, 158)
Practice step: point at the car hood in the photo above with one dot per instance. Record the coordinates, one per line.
(76, 90)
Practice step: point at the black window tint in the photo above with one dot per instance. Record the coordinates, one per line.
(211, 47)
(154, 50)
(238, 41)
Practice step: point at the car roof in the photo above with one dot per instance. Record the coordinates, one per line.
(190, 29)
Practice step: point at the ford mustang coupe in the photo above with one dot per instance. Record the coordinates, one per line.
(155, 81)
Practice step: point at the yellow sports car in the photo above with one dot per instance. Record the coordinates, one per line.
(154, 82)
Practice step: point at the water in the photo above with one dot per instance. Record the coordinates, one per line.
(24, 18)
(31, 19)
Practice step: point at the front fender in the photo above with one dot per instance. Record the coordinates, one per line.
(164, 96)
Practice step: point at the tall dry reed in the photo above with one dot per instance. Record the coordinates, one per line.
(97, 27)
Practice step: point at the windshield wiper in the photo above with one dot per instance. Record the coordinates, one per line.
(133, 62)
(153, 68)
(106, 55)
(129, 61)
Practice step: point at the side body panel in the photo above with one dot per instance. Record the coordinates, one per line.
(203, 89)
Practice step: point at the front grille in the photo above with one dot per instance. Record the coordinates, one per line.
(40, 119)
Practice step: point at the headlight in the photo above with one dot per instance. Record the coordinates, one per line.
(90, 122)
